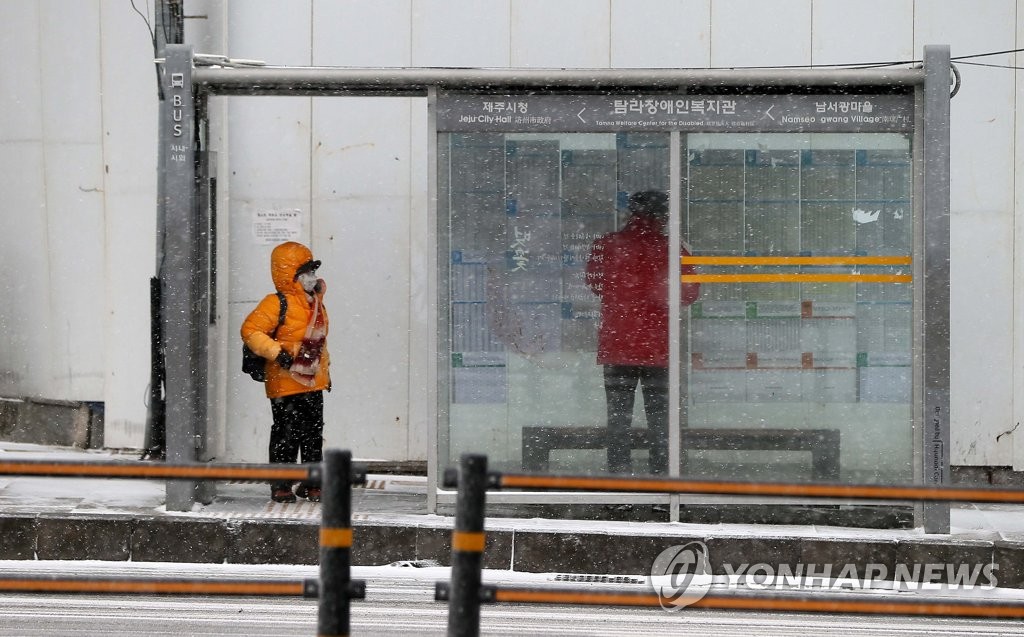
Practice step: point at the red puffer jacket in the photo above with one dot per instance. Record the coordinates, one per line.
(628, 270)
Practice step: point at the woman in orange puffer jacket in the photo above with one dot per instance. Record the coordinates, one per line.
(298, 365)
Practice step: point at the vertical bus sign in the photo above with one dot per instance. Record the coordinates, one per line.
(183, 283)
(178, 150)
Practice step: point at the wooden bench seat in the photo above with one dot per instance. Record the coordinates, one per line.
(538, 442)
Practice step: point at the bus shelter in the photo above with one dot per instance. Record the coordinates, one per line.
(802, 267)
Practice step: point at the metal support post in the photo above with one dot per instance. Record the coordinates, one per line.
(183, 314)
(468, 541)
(336, 585)
(936, 282)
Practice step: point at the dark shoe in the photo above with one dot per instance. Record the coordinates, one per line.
(282, 495)
(310, 493)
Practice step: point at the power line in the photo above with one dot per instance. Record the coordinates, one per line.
(981, 55)
(993, 66)
(871, 65)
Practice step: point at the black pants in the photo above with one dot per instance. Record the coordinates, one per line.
(620, 383)
(298, 429)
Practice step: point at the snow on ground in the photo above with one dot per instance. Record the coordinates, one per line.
(402, 500)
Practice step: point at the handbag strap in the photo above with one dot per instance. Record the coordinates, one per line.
(280, 317)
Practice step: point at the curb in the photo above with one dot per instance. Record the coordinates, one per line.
(204, 540)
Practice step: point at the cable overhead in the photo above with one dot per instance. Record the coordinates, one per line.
(871, 65)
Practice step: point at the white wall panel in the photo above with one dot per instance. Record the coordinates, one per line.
(1017, 140)
(361, 167)
(24, 264)
(268, 142)
(131, 250)
(982, 112)
(269, 151)
(864, 31)
(460, 33)
(272, 138)
(23, 251)
(981, 249)
(361, 33)
(981, 314)
(564, 34)
(279, 33)
(75, 244)
(758, 33)
(207, 33)
(73, 155)
(71, 76)
(246, 436)
(361, 146)
(54, 203)
(422, 312)
(20, 81)
(129, 112)
(660, 33)
(368, 409)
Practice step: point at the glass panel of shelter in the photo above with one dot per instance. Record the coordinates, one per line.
(806, 325)
(524, 211)
(769, 345)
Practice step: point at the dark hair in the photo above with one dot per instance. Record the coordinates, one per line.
(652, 202)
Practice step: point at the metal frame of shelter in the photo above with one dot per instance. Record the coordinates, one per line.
(187, 242)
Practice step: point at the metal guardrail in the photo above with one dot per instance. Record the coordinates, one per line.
(464, 593)
(161, 586)
(818, 603)
(189, 471)
(767, 489)
(334, 588)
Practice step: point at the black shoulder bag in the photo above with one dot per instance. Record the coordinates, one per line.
(252, 363)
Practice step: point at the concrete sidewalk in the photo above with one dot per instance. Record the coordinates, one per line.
(119, 520)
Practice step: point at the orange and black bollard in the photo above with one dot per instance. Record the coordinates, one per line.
(467, 547)
(336, 585)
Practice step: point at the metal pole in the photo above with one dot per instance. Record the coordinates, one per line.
(181, 321)
(676, 396)
(336, 585)
(411, 82)
(467, 547)
(936, 282)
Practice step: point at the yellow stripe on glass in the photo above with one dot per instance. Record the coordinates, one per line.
(797, 277)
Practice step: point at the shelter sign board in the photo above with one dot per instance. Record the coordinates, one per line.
(689, 113)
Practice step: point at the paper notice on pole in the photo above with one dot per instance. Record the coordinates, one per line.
(270, 227)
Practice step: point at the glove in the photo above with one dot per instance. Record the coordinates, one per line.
(284, 359)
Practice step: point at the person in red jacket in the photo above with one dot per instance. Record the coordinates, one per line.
(298, 365)
(628, 271)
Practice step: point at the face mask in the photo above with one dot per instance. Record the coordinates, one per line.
(308, 281)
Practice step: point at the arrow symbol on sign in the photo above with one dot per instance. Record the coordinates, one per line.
(580, 115)
(768, 113)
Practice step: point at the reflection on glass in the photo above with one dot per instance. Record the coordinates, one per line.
(795, 360)
(523, 211)
(822, 346)
(628, 271)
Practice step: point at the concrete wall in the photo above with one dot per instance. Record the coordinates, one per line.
(77, 170)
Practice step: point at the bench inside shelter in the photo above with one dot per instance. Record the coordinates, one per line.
(538, 442)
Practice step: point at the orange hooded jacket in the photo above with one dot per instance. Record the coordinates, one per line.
(285, 261)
